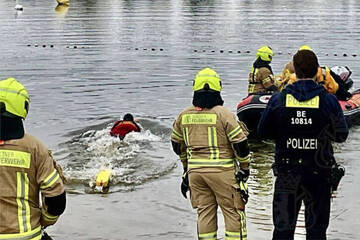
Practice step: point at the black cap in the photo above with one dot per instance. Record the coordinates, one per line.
(128, 117)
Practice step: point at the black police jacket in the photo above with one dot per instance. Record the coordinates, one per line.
(303, 120)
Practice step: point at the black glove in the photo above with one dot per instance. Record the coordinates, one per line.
(185, 184)
(337, 172)
(242, 175)
(45, 236)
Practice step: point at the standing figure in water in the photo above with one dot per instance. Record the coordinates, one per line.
(304, 119)
(123, 127)
(214, 150)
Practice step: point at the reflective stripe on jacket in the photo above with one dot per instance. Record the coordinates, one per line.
(208, 135)
(27, 169)
(260, 79)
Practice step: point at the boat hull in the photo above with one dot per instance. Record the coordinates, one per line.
(249, 110)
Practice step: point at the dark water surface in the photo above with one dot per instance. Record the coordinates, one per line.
(88, 64)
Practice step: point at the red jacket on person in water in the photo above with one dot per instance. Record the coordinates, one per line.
(121, 128)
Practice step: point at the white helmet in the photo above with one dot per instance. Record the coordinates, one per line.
(342, 71)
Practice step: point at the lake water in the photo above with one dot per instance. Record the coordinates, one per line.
(88, 64)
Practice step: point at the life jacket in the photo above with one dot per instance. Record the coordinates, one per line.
(323, 77)
(260, 80)
(303, 143)
(261, 77)
(121, 128)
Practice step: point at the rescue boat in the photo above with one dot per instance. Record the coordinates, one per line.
(250, 108)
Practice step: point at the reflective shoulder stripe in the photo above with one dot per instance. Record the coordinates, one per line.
(30, 235)
(13, 158)
(22, 200)
(50, 180)
(201, 118)
(234, 132)
(291, 101)
(208, 236)
(197, 163)
(177, 135)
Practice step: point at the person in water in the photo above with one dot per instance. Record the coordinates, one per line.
(123, 127)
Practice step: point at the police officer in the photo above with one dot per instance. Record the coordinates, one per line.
(261, 78)
(303, 119)
(210, 141)
(26, 169)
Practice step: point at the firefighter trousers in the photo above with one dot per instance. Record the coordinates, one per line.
(208, 190)
(290, 191)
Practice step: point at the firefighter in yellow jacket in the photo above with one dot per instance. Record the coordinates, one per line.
(323, 75)
(213, 148)
(26, 169)
(261, 77)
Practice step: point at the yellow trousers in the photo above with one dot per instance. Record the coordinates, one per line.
(208, 190)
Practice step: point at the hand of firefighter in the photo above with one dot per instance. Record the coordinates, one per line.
(242, 175)
(45, 236)
(185, 183)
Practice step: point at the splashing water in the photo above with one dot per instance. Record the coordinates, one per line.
(132, 161)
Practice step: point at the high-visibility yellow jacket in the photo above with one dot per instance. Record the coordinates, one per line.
(323, 77)
(206, 136)
(260, 79)
(26, 169)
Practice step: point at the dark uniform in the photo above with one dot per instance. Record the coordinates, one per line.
(303, 120)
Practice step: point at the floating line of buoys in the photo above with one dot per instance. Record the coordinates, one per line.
(53, 46)
(152, 49)
(277, 53)
(195, 50)
(41, 45)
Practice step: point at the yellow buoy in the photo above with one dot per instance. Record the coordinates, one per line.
(63, 2)
(61, 10)
(103, 178)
